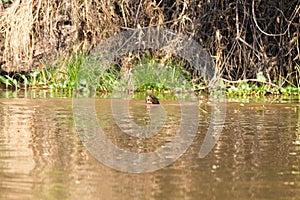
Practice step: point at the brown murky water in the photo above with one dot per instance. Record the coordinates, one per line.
(42, 157)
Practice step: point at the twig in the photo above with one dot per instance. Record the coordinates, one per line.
(269, 34)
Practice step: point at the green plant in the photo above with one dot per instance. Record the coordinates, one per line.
(65, 75)
(108, 80)
(10, 81)
(159, 77)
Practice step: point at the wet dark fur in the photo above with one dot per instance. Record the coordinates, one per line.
(151, 99)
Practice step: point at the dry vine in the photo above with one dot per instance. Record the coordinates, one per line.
(244, 37)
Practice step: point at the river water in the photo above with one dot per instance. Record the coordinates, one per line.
(42, 156)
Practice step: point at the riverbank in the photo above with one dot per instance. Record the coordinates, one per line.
(147, 75)
(243, 38)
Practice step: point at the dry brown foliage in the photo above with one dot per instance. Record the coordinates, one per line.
(244, 37)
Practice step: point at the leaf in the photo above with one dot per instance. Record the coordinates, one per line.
(260, 77)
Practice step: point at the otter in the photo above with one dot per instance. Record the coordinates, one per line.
(151, 99)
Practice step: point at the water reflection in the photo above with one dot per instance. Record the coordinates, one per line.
(42, 157)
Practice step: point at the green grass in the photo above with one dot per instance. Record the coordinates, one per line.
(62, 77)
(260, 87)
(147, 75)
(159, 77)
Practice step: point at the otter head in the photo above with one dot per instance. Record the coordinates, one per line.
(151, 99)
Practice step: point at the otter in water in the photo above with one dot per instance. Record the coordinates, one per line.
(151, 99)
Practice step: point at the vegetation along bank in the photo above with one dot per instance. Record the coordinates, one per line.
(254, 43)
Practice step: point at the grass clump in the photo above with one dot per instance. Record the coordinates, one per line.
(159, 77)
(260, 87)
(148, 74)
(62, 77)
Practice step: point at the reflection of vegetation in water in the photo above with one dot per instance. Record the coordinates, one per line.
(296, 142)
